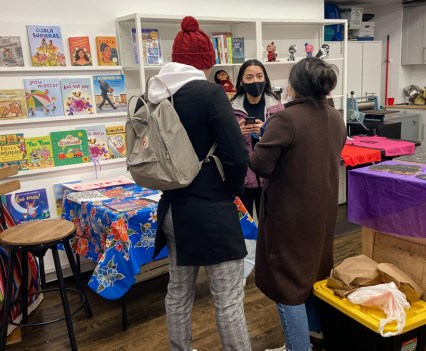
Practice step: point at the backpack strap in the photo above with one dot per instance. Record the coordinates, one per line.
(164, 85)
(216, 160)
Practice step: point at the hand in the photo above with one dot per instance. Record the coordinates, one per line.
(256, 127)
(246, 128)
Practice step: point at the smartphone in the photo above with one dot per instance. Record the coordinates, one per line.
(250, 120)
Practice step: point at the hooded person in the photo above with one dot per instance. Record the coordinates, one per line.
(199, 223)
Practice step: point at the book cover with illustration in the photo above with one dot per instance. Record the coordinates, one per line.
(100, 183)
(43, 97)
(13, 151)
(46, 45)
(151, 46)
(116, 141)
(11, 52)
(77, 96)
(40, 153)
(238, 55)
(110, 93)
(96, 137)
(58, 191)
(70, 147)
(26, 206)
(13, 104)
(106, 48)
(80, 52)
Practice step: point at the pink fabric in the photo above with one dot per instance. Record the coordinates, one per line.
(391, 147)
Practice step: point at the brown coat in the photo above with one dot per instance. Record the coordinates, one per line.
(299, 154)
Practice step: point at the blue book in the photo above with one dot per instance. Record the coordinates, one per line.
(44, 97)
(27, 206)
(110, 93)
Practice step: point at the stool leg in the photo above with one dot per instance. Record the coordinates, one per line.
(42, 273)
(64, 298)
(124, 312)
(24, 301)
(77, 279)
(7, 300)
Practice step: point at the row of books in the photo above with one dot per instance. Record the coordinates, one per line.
(47, 49)
(46, 97)
(62, 148)
(228, 49)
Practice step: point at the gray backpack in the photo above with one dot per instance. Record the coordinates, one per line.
(160, 155)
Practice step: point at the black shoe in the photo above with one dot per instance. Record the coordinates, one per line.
(115, 107)
(99, 108)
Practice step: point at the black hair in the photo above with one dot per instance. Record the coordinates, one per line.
(76, 57)
(103, 46)
(312, 79)
(240, 88)
(216, 79)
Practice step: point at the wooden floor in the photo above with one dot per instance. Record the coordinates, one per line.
(146, 317)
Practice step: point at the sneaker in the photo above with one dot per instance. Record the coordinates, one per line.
(282, 348)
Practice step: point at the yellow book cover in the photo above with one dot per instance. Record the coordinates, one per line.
(116, 141)
(106, 47)
(13, 104)
(39, 150)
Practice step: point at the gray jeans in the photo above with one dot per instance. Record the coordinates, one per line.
(226, 287)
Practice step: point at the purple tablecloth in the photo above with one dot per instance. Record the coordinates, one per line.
(387, 202)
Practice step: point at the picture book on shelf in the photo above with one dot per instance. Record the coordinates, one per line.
(100, 183)
(90, 195)
(46, 45)
(58, 191)
(43, 97)
(80, 52)
(70, 147)
(13, 104)
(13, 151)
(116, 141)
(40, 153)
(106, 47)
(238, 55)
(151, 46)
(96, 137)
(11, 51)
(135, 46)
(26, 206)
(77, 96)
(110, 93)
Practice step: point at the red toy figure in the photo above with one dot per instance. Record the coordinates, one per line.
(309, 49)
(272, 52)
(221, 77)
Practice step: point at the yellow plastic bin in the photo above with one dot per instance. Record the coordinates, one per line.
(349, 327)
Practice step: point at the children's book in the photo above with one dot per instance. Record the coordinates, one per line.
(13, 104)
(116, 141)
(58, 190)
(11, 51)
(43, 97)
(40, 154)
(151, 46)
(80, 51)
(27, 206)
(135, 45)
(238, 55)
(46, 45)
(106, 47)
(77, 96)
(222, 45)
(90, 195)
(100, 183)
(216, 51)
(110, 93)
(96, 137)
(70, 147)
(13, 151)
(125, 205)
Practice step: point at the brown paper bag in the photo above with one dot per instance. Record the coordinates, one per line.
(391, 273)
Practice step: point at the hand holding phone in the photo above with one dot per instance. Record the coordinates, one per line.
(250, 120)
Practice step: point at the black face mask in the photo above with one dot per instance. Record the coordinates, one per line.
(254, 89)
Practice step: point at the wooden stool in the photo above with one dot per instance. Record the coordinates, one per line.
(37, 237)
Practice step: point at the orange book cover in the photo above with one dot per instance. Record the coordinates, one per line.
(106, 47)
(80, 51)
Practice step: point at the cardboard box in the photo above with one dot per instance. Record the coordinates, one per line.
(353, 15)
(366, 30)
(407, 253)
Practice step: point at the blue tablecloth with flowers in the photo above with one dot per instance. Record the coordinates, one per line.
(121, 242)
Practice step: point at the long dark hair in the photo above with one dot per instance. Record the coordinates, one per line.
(239, 87)
(312, 79)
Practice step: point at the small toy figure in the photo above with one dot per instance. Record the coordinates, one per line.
(323, 51)
(309, 49)
(272, 52)
(221, 77)
(292, 50)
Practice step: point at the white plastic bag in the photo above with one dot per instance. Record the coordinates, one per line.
(249, 259)
(388, 298)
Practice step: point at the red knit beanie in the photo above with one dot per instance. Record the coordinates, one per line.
(192, 46)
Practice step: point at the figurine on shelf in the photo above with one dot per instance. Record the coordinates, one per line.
(221, 77)
(309, 49)
(323, 51)
(292, 50)
(272, 52)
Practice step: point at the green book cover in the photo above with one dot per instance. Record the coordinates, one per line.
(70, 147)
(40, 153)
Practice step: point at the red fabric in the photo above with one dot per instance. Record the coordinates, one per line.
(192, 46)
(355, 155)
(390, 147)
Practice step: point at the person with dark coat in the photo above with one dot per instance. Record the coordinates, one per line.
(105, 90)
(200, 223)
(299, 156)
